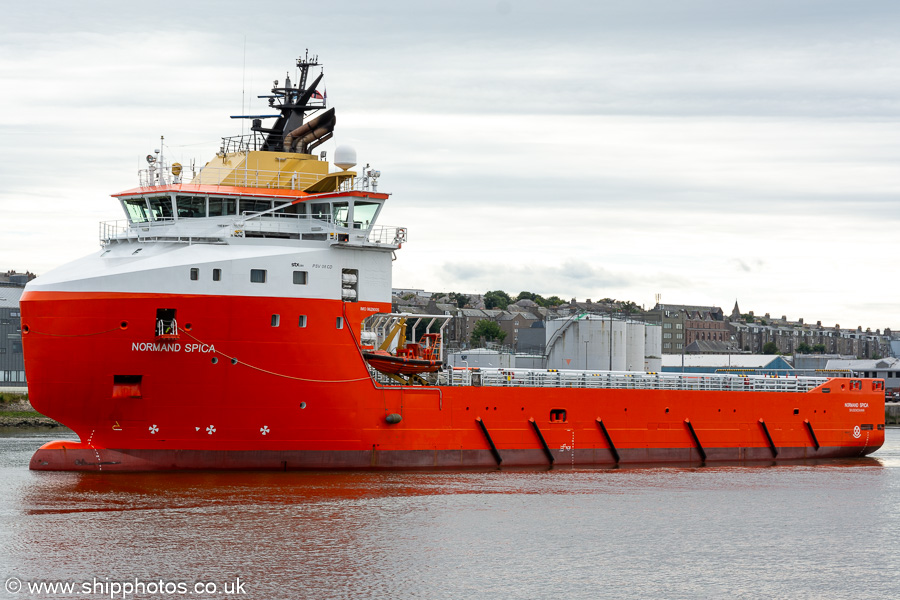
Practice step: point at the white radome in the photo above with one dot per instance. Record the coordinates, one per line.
(345, 157)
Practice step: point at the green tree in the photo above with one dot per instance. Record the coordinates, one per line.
(554, 301)
(803, 348)
(770, 348)
(460, 299)
(819, 348)
(487, 331)
(497, 299)
(629, 307)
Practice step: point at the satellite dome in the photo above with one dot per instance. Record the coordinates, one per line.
(345, 157)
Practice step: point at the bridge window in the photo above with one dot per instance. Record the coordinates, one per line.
(298, 209)
(341, 213)
(254, 206)
(220, 207)
(364, 214)
(190, 207)
(257, 275)
(300, 277)
(321, 211)
(137, 211)
(195, 273)
(161, 208)
(217, 274)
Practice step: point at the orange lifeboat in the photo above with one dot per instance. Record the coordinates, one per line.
(412, 359)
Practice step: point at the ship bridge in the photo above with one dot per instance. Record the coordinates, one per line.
(191, 213)
(267, 184)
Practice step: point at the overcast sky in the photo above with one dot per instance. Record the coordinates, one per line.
(708, 151)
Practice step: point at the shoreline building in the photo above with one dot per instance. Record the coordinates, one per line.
(12, 361)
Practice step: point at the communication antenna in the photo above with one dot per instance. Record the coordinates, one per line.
(244, 84)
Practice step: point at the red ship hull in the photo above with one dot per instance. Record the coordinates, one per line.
(233, 391)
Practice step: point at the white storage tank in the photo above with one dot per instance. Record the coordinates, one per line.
(634, 346)
(652, 348)
(587, 342)
(617, 337)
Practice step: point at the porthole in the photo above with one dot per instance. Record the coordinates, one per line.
(24, 328)
(187, 326)
(234, 361)
(215, 360)
(303, 405)
(124, 324)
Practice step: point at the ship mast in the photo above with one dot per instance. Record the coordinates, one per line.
(291, 131)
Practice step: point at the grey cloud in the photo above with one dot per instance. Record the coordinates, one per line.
(572, 277)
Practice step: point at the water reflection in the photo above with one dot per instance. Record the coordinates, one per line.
(694, 531)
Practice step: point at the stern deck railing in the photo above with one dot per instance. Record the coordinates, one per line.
(538, 378)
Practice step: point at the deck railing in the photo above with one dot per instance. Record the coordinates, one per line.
(625, 380)
(270, 222)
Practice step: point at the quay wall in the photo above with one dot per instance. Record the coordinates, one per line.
(892, 414)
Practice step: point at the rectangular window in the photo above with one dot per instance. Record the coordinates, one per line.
(195, 273)
(161, 208)
(254, 206)
(136, 209)
(276, 320)
(257, 275)
(190, 207)
(364, 214)
(339, 324)
(220, 207)
(2, 350)
(321, 211)
(17, 347)
(217, 274)
(667, 326)
(341, 214)
(302, 322)
(300, 277)
(678, 326)
(295, 210)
